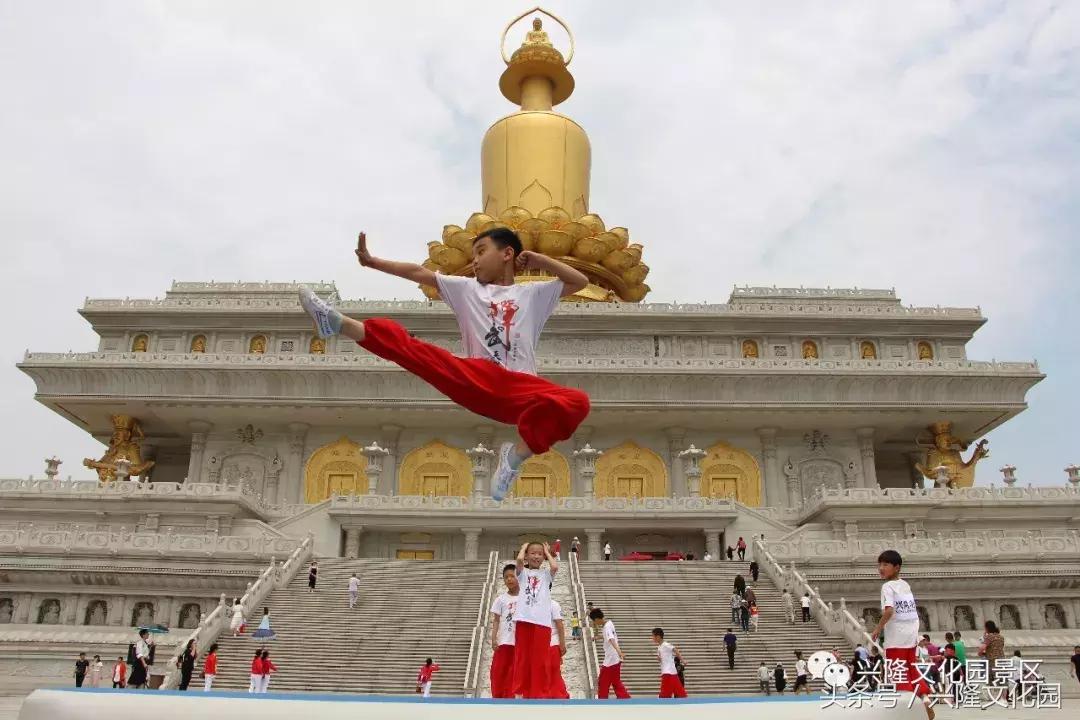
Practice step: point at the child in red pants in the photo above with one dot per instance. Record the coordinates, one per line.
(500, 324)
(557, 690)
(503, 612)
(670, 685)
(532, 622)
(610, 677)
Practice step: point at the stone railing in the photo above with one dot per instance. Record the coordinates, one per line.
(35, 487)
(480, 627)
(391, 504)
(213, 625)
(32, 540)
(972, 496)
(937, 548)
(832, 620)
(364, 360)
(825, 303)
(577, 587)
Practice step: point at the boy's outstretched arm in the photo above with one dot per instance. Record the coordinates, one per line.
(409, 271)
(573, 280)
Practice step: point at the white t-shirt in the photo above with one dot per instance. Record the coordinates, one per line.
(610, 638)
(800, 667)
(556, 614)
(500, 322)
(116, 676)
(763, 673)
(804, 601)
(666, 652)
(902, 630)
(354, 584)
(788, 602)
(534, 598)
(505, 606)
(607, 548)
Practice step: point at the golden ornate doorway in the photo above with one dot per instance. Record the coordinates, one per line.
(335, 469)
(630, 471)
(546, 475)
(727, 471)
(435, 469)
(415, 554)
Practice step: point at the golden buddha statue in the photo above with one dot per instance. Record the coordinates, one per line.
(925, 351)
(126, 444)
(537, 36)
(257, 346)
(809, 350)
(140, 344)
(198, 344)
(317, 346)
(749, 349)
(945, 452)
(867, 350)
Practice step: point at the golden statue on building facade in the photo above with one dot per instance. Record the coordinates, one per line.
(125, 444)
(945, 453)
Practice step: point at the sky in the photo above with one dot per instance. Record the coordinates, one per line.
(930, 147)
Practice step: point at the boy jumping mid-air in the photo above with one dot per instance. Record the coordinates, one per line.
(500, 324)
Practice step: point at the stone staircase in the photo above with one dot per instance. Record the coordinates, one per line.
(691, 601)
(407, 611)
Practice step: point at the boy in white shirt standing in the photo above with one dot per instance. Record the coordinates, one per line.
(670, 685)
(900, 621)
(611, 669)
(532, 621)
(354, 590)
(557, 649)
(500, 324)
(502, 636)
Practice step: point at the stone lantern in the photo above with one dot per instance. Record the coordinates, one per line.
(1009, 473)
(52, 467)
(375, 456)
(1073, 473)
(481, 456)
(691, 458)
(586, 458)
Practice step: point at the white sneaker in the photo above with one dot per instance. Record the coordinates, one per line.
(319, 310)
(503, 477)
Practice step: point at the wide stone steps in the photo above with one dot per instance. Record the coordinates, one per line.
(691, 602)
(407, 611)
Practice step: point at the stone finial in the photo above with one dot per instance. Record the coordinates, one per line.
(1009, 473)
(123, 469)
(1073, 473)
(941, 476)
(52, 467)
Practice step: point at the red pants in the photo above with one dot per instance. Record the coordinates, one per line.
(544, 412)
(671, 687)
(909, 657)
(611, 677)
(502, 672)
(557, 688)
(532, 660)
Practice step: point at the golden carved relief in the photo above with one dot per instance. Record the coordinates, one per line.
(629, 470)
(925, 350)
(809, 350)
(546, 475)
(867, 350)
(727, 471)
(140, 343)
(126, 443)
(335, 469)
(750, 349)
(435, 469)
(257, 346)
(944, 451)
(317, 346)
(198, 344)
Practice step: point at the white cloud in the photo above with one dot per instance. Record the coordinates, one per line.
(927, 146)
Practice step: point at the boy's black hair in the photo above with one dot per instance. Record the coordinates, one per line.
(596, 614)
(428, 661)
(213, 647)
(503, 238)
(509, 566)
(891, 557)
(258, 653)
(144, 632)
(658, 632)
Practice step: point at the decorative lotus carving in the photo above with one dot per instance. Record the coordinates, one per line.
(605, 255)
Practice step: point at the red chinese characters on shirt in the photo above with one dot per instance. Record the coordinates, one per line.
(499, 335)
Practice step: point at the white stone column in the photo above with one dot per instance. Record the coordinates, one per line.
(472, 542)
(1034, 615)
(199, 430)
(794, 485)
(676, 437)
(481, 457)
(375, 456)
(294, 464)
(865, 436)
(595, 540)
(352, 541)
(772, 482)
(712, 543)
(691, 458)
(391, 440)
(586, 462)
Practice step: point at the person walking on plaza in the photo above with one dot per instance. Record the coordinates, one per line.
(764, 678)
(754, 570)
(610, 676)
(607, 551)
(736, 604)
(802, 674)
(730, 553)
(744, 614)
(236, 624)
(780, 678)
(140, 661)
(267, 668)
(354, 590)
(255, 681)
(741, 547)
(730, 644)
(312, 576)
(210, 668)
(670, 684)
(740, 585)
(805, 602)
(119, 673)
(755, 613)
(575, 545)
(789, 607)
(96, 668)
(82, 665)
(423, 678)
(556, 549)
(575, 626)
(186, 663)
